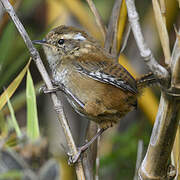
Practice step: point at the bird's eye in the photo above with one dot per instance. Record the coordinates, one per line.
(61, 41)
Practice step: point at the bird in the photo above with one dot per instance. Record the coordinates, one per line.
(95, 85)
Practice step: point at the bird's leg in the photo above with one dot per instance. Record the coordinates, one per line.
(61, 87)
(74, 159)
(52, 90)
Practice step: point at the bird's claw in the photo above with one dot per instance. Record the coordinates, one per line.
(74, 158)
(43, 89)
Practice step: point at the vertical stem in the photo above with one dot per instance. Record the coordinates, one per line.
(98, 17)
(162, 30)
(155, 163)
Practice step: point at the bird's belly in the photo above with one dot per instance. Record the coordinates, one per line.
(61, 76)
(103, 103)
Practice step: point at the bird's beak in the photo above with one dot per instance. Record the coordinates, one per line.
(41, 42)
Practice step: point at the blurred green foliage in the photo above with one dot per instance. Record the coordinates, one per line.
(121, 162)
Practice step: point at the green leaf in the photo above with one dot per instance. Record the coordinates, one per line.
(11, 174)
(19, 100)
(3, 125)
(6, 42)
(32, 118)
(13, 119)
(13, 86)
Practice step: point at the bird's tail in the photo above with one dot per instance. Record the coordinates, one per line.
(146, 80)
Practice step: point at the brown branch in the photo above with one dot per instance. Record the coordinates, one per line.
(159, 71)
(125, 38)
(155, 163)
(97, 157)
(111, 36)
(98, 17)
(89, 156)
(57, 103)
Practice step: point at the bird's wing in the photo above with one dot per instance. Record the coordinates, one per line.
(106, 72)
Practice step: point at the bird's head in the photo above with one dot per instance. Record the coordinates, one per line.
(66, 42)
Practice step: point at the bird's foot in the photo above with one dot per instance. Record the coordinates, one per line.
(74, 158)
(45, 90)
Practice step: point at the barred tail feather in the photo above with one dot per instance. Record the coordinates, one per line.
(146, 80)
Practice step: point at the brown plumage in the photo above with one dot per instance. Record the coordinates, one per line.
(94, 84)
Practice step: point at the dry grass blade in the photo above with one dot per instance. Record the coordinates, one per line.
(122, 40)
(19, 100)
(13, 86)
(98, 17)
(97, 157)
(111, 36)
(162, 30)
(13, 118)
(175, 64)
(78, 10)
(125, 39)
(163, 7)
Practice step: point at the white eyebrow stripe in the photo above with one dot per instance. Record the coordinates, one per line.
(67, 36)
(79, 37)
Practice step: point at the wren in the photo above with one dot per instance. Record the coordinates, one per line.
(95, 85)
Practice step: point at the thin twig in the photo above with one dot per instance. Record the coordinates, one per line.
(122, 28)
(98, 17)
(89, 156)
(57, 103)
(175, 64)
(125, 38)
(88, 168)
(97, 157)
(139, 158)
(162, 30)
(159, 71)
(111, 36)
